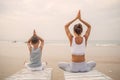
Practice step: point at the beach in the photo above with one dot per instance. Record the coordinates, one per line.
(13, 56)
(19, 19)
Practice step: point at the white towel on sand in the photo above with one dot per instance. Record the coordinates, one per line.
(26, 74)
(91, 75)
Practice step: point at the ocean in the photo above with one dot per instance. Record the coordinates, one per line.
(90, 42)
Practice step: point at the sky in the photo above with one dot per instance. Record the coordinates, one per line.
(18, 18)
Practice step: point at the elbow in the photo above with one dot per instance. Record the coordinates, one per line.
(42, 41)
(66, 26)
(89, 26)
(28, 41)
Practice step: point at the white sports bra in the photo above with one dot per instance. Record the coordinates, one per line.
(78, 49)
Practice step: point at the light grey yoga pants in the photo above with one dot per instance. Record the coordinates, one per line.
(77, 67)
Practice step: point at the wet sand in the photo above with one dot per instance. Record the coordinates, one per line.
(13, 55)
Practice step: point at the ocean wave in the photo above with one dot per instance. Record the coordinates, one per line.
(107, 45)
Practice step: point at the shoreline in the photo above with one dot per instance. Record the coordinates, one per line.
(63, 42)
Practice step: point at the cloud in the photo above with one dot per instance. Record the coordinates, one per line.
(49, 17)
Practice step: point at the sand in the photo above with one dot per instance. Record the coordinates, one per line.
(13, 55)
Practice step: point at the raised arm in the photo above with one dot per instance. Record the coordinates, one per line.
(87, 33)
(29, 44)
(69, 35)
(42, 42)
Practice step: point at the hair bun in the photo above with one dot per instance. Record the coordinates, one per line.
(78, 29)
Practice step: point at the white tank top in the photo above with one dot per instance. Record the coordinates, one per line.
(78, 49)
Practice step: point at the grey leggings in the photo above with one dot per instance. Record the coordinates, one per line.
(77, 67)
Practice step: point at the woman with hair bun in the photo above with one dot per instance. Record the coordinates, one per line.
(78, 44)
